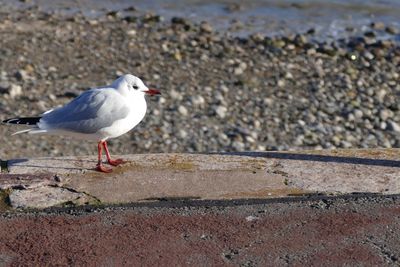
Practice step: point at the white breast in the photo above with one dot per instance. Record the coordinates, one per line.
(137, 112)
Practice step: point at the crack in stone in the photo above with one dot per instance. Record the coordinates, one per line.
(3, 166)
(73, 190)
(50, 196)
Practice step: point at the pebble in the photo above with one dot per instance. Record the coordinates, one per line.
(238, 146)
(206, 27)
(221, 111)
(378, 25)
(175, 95)
(268, 101)
(14, 90)
(131, 32)
(182, 134)
(358, 114)
(4, 87)
(224, 88)
(393, 126)
(385, 114)
(392, 30)
(198, 100)
(52, 69)
(238, 71)
(21, 75)
(183, 110)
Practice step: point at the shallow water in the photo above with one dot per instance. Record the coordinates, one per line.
(330, 19)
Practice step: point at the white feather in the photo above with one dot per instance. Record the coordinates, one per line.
(23, 131)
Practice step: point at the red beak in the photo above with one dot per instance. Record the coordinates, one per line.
(152, 92)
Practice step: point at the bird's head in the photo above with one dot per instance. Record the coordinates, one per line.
(129, 84)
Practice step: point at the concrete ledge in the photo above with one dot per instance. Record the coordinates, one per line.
(150, 177)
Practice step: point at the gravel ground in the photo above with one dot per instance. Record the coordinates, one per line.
(219, 93)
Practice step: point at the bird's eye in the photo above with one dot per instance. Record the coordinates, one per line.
(135, 87)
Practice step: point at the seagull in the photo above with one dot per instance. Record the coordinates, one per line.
(97, 114)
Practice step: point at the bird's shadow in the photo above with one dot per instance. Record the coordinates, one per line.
(317, 158)
(20, 162)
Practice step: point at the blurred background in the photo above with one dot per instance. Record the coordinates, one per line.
(260, 75)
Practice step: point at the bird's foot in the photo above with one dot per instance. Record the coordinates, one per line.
(102, 168)
(115, 162)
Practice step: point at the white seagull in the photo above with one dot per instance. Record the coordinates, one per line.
(97, 114)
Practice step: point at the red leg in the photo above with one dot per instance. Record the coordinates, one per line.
(100, 167)
(113, 162)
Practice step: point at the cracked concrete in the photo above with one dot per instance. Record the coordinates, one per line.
(47, 196)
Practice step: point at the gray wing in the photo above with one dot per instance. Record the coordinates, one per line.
(88, 113)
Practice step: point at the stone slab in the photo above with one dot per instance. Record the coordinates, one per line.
(220, 176)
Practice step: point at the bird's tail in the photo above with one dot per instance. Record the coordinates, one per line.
(25, 121)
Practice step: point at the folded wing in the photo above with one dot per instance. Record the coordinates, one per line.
(88, 113)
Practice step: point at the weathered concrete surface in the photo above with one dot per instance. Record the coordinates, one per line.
(356, 231)
(214, 176)
(47, 196)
